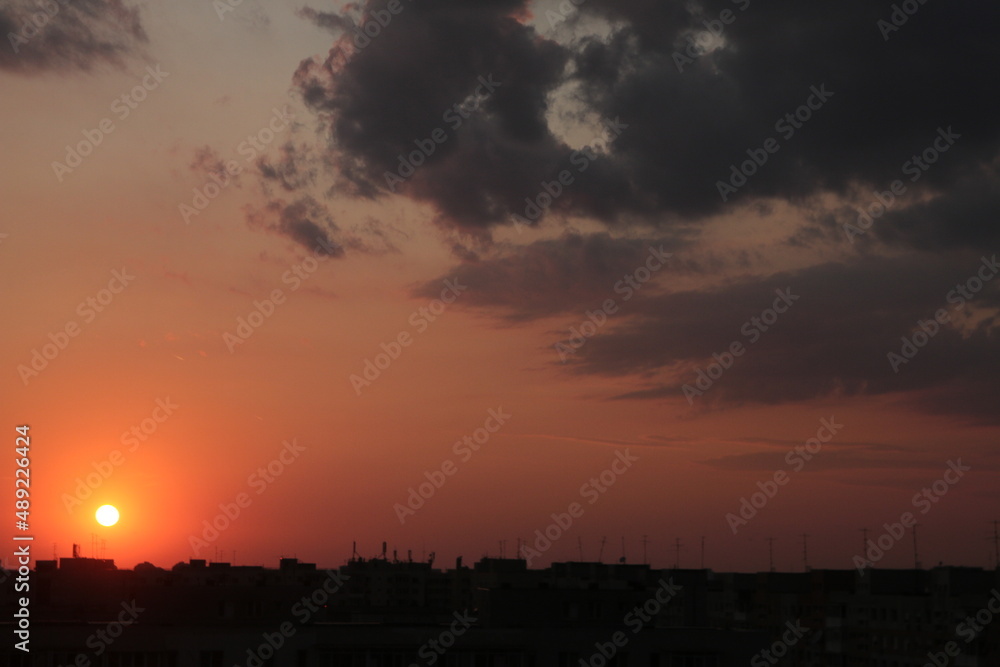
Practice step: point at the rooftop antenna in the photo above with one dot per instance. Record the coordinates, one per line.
(770, 553)
(384, 547)
(805, 551)
(354, 550)
(645, 541)
(430, 559)
(600, 555)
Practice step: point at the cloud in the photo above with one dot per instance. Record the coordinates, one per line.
(549, 277)
(833, 341)
(686, 125)
(305, 221)
(475, 74)
(294, 168)
(965, 215)
(69, 35)
(878, 101)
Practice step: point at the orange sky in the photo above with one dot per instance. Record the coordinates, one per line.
(161, 339)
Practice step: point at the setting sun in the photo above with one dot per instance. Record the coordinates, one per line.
(107, 515)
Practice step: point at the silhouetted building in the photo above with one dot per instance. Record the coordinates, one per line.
(500, 613)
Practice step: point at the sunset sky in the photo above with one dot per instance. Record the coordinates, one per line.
(306, 261)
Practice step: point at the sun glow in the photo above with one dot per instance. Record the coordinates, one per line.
(107, 515)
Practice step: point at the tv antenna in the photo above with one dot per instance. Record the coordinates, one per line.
(864, 547)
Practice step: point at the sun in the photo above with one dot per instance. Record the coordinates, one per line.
(107, 515)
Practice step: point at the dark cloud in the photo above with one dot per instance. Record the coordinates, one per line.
(880, 99)
(474, 73)
(557, 276)
(293, 168)
(335, 23)
(310, 224)
(967, 214)
(208, 164)
(890, 97)
(305, 221)
(685, 126)
(833, 341)
(68, 35)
